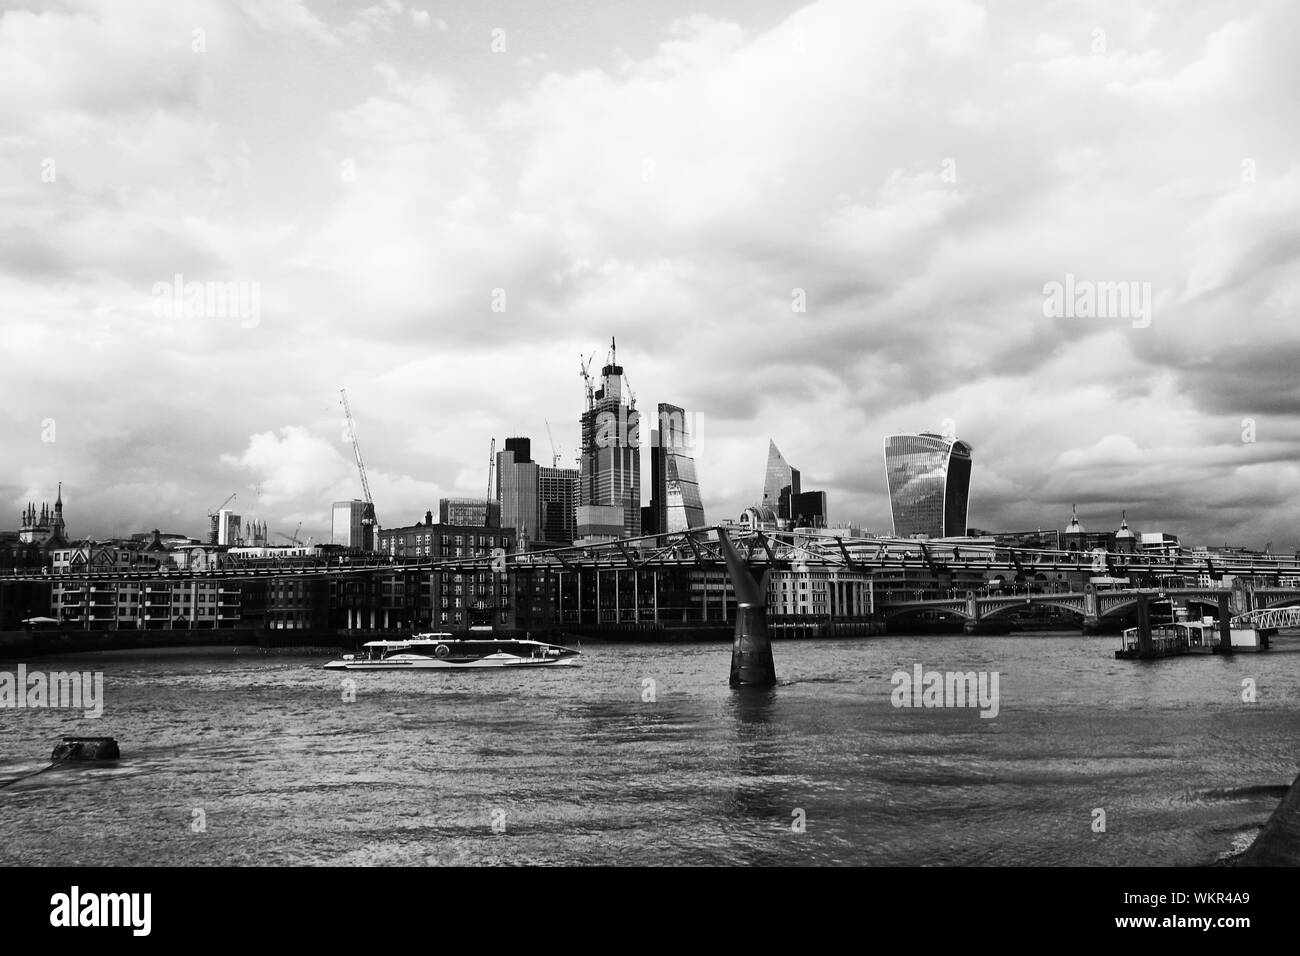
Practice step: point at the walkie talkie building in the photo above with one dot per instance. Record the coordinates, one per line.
(929, 484)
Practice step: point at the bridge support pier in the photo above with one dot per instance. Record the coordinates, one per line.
(1145, 647)
(1091, 610)
(751, 653)
(1225, 625)
(973, 625)
(1241, 598)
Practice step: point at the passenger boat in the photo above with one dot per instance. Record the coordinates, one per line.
(442, 651)
(1190, 637)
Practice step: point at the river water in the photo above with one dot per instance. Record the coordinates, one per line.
(644, 755)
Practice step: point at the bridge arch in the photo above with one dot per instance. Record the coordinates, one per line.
(1205, 601)
(894, 614)
(1062, 605)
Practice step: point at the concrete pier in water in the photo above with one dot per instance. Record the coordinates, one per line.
(1278, 844)
(751, 653)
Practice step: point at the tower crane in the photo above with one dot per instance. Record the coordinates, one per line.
(586, 378)
(214, 516)
(369, 523)
(555, 451)
(292, 538)
(492, 457)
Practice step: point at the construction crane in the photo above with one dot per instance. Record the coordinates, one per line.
(492, 457)
(292, 538)
(555, 450)
(586, 378)
(369, 523)
(214, 516)
(631, 395)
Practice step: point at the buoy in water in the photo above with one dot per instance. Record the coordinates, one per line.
(86, 749)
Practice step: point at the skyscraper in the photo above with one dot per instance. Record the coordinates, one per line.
(929, 484)
(227, 527)
(610, 468)
(781, 483)
(517, 489)
(347, 527)
(536, 500)
(675, 503)
(556, 490)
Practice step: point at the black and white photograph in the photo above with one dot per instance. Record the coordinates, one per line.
(460, 435)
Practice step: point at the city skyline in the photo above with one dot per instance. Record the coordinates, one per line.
(429, 223)
(309, 529)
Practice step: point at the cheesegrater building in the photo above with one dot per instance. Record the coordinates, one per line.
(675, 503)
(929, 484)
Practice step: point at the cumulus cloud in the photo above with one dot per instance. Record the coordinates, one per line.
(291, 464)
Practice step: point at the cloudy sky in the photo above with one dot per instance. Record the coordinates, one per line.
(816, 223)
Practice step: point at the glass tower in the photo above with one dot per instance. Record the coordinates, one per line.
(780, 484)
(518, 489)
(675, 502)
(929, 484)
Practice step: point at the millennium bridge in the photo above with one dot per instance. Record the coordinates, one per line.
(804, 550)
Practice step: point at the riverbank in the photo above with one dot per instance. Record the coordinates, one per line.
(16, 645)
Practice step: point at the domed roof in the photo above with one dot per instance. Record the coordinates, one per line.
(1074, 527)
(1124, 531)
